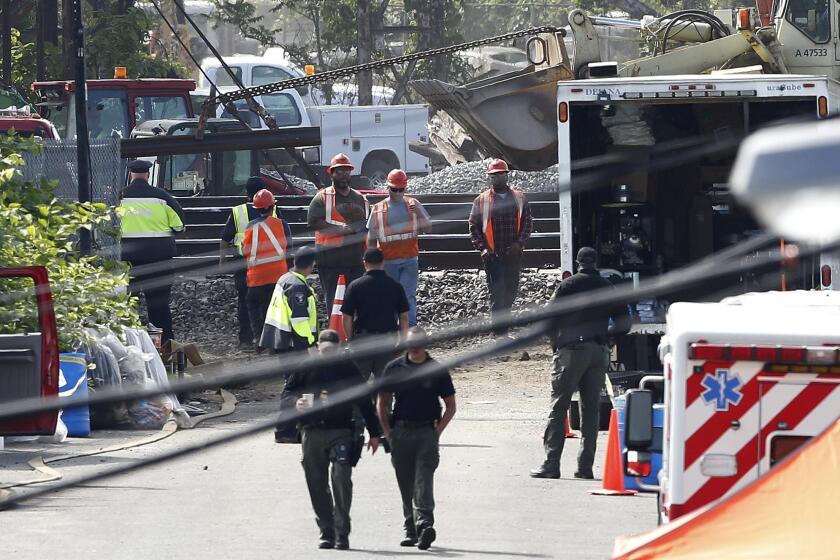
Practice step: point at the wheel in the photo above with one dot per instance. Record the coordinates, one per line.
(377, 169)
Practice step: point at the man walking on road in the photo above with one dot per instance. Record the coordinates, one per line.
(413, 429)
(500, 225)
(328, 441)
(374, 304)
(150, 217)
(338, 215)
(394, 224)
(581, 358)
(232, 235)
(265, 245)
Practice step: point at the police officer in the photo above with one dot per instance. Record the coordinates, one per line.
(374, 304)
(291, 321)
(232, 234)
(328, 440)
(150, 216)
(581, 358)
(413, 429)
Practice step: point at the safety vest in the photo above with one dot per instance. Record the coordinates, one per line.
(485, 200)
(396, 244)
(264, 247)
(281, 322)
(334, 218)
(148, 217)
(240, 222)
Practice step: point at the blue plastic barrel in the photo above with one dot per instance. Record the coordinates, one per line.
(74, 385)
(631, 482)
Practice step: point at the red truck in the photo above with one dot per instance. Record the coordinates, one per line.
(26, 124)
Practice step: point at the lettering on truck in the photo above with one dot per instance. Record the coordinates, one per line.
(784, 87)
(612, 92)
(811, 52)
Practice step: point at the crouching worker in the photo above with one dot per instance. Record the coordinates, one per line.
(329, 449)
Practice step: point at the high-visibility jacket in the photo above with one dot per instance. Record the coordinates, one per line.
(264, 248)
(486, 203)
(291, 312)
(149, 217)
(396, 244)
(334, 218)
(240, 222)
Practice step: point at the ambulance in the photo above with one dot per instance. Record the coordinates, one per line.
(746, 382)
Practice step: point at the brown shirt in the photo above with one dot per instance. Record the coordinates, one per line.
(352, 207)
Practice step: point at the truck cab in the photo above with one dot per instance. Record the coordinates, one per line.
(26, 124)
(115, 106)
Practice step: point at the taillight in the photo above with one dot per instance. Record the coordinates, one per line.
(792, 354)
(825, 275)
(563, 112)
(700, 351)
(638, 464)
(822, 106)
(566, 274)
(813, 355)
(782, 446)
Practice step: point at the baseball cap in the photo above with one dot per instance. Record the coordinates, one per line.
(373, 256)
(587, 255)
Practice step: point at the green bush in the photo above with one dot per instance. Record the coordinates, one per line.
(38, 229)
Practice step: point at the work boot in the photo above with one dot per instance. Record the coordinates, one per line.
(427, 537)
(409, 540)
(342, 543)
(326, 543)
(586, 475)
(545, 472)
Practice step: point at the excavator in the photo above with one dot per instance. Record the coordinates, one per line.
(513, 116)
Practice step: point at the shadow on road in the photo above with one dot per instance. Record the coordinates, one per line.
(443, 552)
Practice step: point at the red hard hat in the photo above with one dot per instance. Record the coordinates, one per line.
(397, 178)
(339, 160)
(497, 166)
(263, 199)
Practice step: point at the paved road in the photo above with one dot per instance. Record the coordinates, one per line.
(248, 500)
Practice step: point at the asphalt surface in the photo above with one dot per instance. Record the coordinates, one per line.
(249, 500)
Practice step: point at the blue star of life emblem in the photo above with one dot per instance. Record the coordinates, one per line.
(722, 389)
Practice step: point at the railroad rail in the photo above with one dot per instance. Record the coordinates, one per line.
(448, 247)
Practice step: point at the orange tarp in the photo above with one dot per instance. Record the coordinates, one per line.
(791, 512)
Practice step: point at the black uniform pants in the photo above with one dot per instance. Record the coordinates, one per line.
(258, 299)
(154, 279)
(502, 283)
(246, 333)
(322, 468)
(329, 280)
(415, 455)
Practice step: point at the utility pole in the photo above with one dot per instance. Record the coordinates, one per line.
(364, 44)
(437, 23)
(6, 24)
(46, 29)
(82, 141)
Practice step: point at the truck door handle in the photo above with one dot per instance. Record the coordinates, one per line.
(17, 355)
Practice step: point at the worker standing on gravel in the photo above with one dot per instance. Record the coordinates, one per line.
(374, 304)
(393, 226)
(265, 245)
(150, 216)
(232, 235)
(328, 439)
(413, 429)
(338, 215)
(500, 225)
(581, 358)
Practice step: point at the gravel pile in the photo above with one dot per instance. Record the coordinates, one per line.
(204, 311)
(471, 177)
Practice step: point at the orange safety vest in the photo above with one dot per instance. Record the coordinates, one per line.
(264, 248)
(485, 200)
(396, 244)
(334, 218)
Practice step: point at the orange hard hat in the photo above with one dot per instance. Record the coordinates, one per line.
(339, 160)
(497, 166)
(397, 178)
(263, 199)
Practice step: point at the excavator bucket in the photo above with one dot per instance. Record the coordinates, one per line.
(511, 116)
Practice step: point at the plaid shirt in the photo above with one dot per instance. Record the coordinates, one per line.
(504, 224)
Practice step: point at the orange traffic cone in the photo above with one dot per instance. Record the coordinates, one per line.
(613, 472)
(336, 319)
(569, 432)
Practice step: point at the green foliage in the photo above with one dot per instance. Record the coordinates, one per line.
(38, 229)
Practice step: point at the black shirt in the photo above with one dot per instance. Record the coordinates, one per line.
(584, 326)
(149, 249)
(331, 379)
(376, 301)
(417, 400)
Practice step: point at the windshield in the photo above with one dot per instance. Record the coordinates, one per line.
(107, 114)
(159, 107)
(281, 106)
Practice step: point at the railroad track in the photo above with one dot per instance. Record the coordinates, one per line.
(448, 247)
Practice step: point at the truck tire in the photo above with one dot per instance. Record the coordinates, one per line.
(377, 167)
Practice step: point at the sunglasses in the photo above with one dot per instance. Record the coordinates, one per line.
(394, 189)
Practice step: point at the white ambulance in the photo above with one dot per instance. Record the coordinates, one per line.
(746, 382)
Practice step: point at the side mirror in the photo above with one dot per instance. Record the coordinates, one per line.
(638, 420)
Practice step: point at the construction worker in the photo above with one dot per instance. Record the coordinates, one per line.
(413, 429)
(581, 358)
(265, 245)
(500, 225)
(393, 226)
(338, 215)
(232, 235)
(291, 322)
(150, 216)
(328, 439)
(374, 304)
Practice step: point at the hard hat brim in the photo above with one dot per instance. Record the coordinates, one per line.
(331, 167)
(497, 171)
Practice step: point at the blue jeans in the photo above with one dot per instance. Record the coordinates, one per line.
(407, 273)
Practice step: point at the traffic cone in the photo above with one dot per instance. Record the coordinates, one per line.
(569, 432)
(613, 484)
(336, 319)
